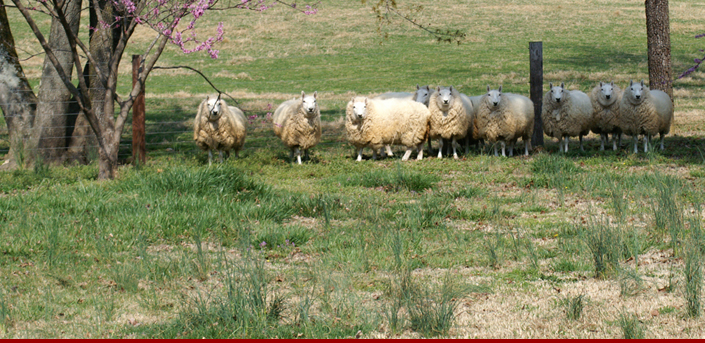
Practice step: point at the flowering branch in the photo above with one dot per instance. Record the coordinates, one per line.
(698, 61)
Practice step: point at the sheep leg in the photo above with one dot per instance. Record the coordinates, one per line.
(359, 155)
(662, 137)
(220, 156)
(440, 148)
(580, 138)
(526, 147)
(298, 156)
(430, 148)
(210, 157)
(389, 150)
(455, 145)
(420, 156)
(306, 156)
(646, 143)
(406, 155)
(511, 149)
(495, 149)
(374, 154)
(603, 139)
(504, 146)
(291, 155)
(636, 142)
(614, 141)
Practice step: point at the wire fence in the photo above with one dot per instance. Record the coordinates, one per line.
(169, 129)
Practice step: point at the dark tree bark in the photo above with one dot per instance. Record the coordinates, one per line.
(17, 100)
(659, 42)
(49, 136)
(101, 46)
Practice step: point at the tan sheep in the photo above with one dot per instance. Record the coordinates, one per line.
(298, 124)
(645, 112)
(219, 127)
(605, 99)
(566, 114)
(422, 94)
(505, 117)
(451, 115)
(375, 123)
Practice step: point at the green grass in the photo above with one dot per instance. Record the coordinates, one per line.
(260, 248)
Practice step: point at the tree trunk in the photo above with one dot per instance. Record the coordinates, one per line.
(49, 134)
(659, 43)
(17, 101)
(83, 140)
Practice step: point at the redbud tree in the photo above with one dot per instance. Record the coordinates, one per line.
(172, 21)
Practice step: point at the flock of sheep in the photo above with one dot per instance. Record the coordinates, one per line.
(443, 113)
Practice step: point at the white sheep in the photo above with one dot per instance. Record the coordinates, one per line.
(219, 127)
(605, 99)
(645, 112)
(566, 114)
(422, 94)
(451, 115)
(374, 123)
(505, 117)
(297, 123)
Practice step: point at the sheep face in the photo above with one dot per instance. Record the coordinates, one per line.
(557, 92)
(607, 90)
(444, 98)
(636, 92)
(494, 96)
(213, 109)
(309, 104)
(360, 108)
(422, 94)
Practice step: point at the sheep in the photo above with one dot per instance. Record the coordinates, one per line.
(219, 127)
(605, 99)
(505, 117)
(451, 115)
(422, 94)
(566, 114)
(298, 124)
(377, 122)
(645, 112)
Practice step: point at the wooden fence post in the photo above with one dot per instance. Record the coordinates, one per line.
(536, 81)
(139, 146)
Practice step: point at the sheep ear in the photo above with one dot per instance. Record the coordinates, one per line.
(438, 88)
(500, 88)
(612, 83)
(365, 101)
(303, 95)
(642, 82)
(488, 88)
(315, 94)
(451, 88)
(550, 85)
(417, 87)
(631, 82)
(562, 85)
(601, 84)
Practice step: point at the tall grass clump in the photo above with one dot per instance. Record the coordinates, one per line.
(631, 327)
(693, 267)
(574, 306)
(432, 312)
(668, 212)
(605, 244)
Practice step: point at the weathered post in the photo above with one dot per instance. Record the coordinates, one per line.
(139, 146)
(536, 81)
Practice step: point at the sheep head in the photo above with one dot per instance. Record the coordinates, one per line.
(309, 104)
(360, 108)
(422, 94)
(494, 96)
(444, 97)
(214, 108)
(557, 92)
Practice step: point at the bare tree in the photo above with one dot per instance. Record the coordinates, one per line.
(659, 43)
(17, 100)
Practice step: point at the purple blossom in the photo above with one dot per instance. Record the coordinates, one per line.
(263, 244)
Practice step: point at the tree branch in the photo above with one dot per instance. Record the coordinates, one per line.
(204, 77)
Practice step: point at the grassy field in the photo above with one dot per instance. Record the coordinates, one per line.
(579, 245)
